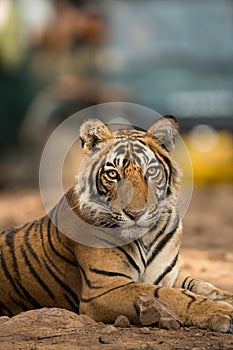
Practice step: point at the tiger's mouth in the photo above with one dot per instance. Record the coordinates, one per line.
(126, 226)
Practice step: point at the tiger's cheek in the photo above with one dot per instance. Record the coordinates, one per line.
(113, 191)
(152, 201)
(110, 189)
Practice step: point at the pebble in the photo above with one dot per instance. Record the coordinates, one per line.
(144, 330)
(104, 339)
(187, 329)
(122, 321)
(168, 323)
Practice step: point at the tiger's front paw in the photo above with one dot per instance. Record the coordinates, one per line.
(218, 316)
(225, 296)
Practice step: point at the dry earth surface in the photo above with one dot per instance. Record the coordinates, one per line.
(207, 252)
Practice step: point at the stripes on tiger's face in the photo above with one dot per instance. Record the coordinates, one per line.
(127, 178)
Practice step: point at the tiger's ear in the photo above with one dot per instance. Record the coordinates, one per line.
(92, 132)
(165, 130)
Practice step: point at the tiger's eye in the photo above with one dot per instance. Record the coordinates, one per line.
(152, 171)
(113, 174)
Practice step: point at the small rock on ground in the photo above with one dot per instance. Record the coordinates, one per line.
(105, 339)
(122, 321)
(154, 311)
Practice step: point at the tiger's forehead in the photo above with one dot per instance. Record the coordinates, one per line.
(129, 145)
(129, 134)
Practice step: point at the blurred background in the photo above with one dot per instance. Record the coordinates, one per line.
(174, 56)
(60, 56)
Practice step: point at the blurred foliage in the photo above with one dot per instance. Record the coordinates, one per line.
(214, 164)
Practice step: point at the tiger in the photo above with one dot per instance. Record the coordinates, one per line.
(127, 188)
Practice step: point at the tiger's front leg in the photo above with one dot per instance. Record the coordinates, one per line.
(192, 309)
(109, 289)
(204, 289)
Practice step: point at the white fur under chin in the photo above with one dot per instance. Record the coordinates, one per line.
(133, 233)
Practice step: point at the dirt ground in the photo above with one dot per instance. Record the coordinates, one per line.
(207, 252)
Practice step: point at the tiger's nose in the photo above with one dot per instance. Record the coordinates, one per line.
(134, 214)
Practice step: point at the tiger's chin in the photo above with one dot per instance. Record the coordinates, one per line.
(133, 232)
(129, 232)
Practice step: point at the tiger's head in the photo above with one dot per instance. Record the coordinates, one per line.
(128, 178)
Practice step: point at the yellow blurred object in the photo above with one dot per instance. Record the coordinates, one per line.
(211, 154)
